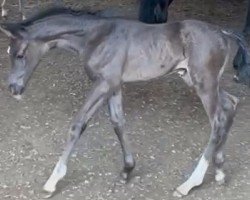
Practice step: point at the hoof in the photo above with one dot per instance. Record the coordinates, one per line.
(221, 182)
(126, 173)
(49, 189)
(177, 194)
(128, 168)
(220, 177)
(125, 176)
(47, 195)
(182, 190)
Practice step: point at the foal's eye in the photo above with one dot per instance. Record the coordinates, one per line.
(19, 56)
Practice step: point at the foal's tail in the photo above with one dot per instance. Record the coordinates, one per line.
(242, 59)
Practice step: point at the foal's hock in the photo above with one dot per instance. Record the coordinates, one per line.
(117, 51)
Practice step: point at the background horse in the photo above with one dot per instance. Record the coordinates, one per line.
(114, 54)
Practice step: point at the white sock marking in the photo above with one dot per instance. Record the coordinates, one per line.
(195, 179)
(58, 173)
(220, 176)
(18, 97)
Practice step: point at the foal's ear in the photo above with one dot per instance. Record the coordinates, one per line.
(4, 28)
(12, 30)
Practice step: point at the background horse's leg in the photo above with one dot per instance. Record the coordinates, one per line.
(94, 101)
(4, 11)
(154, 11)
(117, 118)
(21, 9)
(247, 22)
(161, 11)
(220, 110)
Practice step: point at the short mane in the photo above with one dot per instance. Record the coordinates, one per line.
(54, 11)
(14, 27)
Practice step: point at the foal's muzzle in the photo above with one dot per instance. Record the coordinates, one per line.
(16, 89)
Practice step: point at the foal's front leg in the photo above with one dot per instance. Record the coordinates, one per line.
(117, 119)
(96, 98)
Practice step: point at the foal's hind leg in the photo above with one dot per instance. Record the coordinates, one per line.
(96, 98)
(220, 119)
(117, 118)
(229, 104)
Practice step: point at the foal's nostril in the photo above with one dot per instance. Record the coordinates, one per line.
(16, 89)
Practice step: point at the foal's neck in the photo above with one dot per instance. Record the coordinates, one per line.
(84, 39)
(73, 33)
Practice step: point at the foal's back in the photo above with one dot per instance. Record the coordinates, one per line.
(154, 50)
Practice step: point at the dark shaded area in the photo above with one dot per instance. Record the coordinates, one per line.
(242, 66)
(154, 11)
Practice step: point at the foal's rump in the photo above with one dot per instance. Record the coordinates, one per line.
(205, 46)
(208, 47)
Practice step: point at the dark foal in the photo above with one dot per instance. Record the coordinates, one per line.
(114, 54)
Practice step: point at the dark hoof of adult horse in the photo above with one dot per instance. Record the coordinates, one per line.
(16, 91)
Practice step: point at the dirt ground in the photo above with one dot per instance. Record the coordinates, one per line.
(166, 124)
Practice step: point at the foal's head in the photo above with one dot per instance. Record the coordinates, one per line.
(25, 53)
(30, 39)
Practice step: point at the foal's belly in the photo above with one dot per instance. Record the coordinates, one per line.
(146, 67)
(150, 59)
(144, 70)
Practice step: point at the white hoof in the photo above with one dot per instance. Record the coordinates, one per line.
(47, 195)
(220, 177)
(181, 191)
(58, 173)
(177, 194)
(49, 187)
(18, 97)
